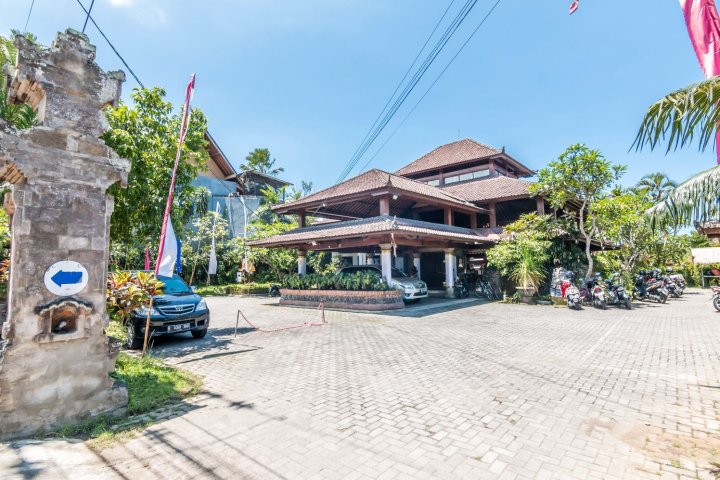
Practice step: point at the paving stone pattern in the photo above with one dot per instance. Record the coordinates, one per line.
(480, 391)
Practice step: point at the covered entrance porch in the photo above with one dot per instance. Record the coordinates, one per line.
(431, 251)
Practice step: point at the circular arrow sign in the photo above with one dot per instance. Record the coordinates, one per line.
(66, 278)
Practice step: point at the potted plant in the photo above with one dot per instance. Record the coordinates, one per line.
(528, 271)
(522, 255)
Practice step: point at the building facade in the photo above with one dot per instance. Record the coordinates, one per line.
(437, 214)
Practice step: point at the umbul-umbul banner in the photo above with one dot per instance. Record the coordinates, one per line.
(703, 24)
(167, 230)
(169, 252)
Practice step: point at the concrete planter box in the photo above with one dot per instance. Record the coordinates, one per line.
(345, 299)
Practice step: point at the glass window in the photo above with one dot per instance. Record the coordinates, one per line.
(397, 273)
(466, 176)
(453, 179)
(434, 183)
(174, 285)
(481, 173)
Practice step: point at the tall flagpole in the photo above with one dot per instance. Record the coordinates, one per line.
(171, 193)
(168, 205)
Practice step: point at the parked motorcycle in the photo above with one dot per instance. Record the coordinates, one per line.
(616, 293)
(648, 288)
(595, 293)
(716, 298)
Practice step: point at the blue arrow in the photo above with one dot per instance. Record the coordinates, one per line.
(66, 278)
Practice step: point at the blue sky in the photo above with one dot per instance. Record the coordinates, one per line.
(307, 79)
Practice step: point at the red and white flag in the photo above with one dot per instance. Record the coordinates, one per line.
(168, 242)
(703, 24)
(574, 6)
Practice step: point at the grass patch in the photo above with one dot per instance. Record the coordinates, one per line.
(151, 385)
(255, 288)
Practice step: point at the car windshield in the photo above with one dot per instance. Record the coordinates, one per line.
(398, 273)
(175, 286)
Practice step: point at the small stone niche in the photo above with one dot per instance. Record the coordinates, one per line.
(65, 318)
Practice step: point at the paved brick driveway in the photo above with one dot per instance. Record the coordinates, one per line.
(482, 391)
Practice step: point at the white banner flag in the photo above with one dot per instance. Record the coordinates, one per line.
(169, 252)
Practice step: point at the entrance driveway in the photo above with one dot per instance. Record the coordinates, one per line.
(479, 391)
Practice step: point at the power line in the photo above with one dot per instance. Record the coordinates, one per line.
(432, 84)
(88, 15)
(407, 72)
(27, 20)
(110, 43)
(441, 43)
(408, 88)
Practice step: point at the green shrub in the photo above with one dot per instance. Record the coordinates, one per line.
(369, 281)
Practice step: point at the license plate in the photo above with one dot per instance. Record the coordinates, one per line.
(178, 328)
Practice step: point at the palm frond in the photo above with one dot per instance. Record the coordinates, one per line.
(695, 200)
(691, 113)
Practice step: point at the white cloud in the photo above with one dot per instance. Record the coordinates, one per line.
(146, 12)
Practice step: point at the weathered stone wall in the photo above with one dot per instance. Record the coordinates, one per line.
(56, 360)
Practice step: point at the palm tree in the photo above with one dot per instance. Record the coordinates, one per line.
(686, 115)
(259, 161)
(656, 186)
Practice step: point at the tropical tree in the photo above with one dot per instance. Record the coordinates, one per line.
(20, 116)
(688, 115)
(622, 225)
(524, 254)
(656, 186)
(580, 176)
(146, 133)
(259, 160)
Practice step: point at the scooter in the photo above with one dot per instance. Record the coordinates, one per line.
(596, 293)
(647, 288)
(716, 298)
(571, 292)
(617, 295)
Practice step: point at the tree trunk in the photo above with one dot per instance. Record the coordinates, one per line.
(588, 239)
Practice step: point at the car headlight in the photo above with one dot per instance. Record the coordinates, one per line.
(143, 311)
(202, 305)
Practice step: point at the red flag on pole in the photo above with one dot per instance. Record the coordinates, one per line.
(574, 6)
(703, 24)
(168, 205)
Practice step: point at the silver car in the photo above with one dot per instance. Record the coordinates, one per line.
(412, 288)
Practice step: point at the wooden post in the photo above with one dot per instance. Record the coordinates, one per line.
(301, 219)
(540, 202)
(385, 205)
(448, 216)
(473, 220)
(493, 215)
(147, 327)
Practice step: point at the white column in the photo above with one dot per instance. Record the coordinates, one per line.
(302, 263)
(416, 264)
(450, 272)
(362, 258)
(386, 261)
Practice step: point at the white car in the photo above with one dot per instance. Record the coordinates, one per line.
(412, 288)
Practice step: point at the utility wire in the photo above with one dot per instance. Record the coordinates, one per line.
(111, 45)
(408, 88)
(407, 72)
(27, 20)
(88, 15)
(432, 85)
(442, 42)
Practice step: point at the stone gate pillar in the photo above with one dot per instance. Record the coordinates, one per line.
(56, 360)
